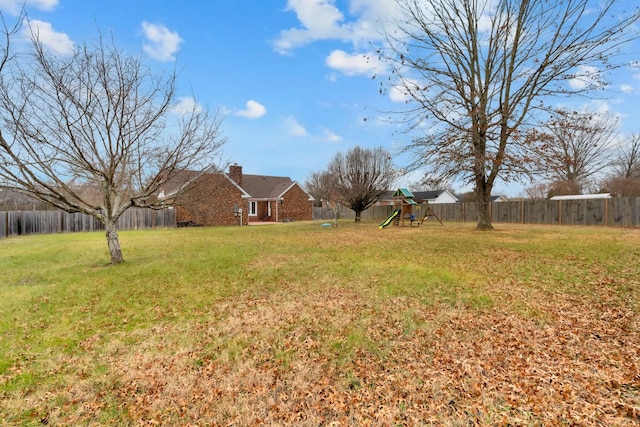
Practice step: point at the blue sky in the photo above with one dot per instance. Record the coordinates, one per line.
(291, 77)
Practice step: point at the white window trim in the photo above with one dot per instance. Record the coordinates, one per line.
(253, 208)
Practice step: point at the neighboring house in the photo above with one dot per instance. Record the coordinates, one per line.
(435, 197)
(217, 198)
(471, 197)
(386, 200)
(497, 199)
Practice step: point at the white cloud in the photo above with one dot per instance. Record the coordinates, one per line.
(50, 38)
(586, 76)
(162, 43)
(597, 106)
(485, 23)
(322, 20)
(333, 77)
(626, 88)
(330, 136)
(354, 64)
(186, 105)
(13, 7)
(295, 128)
(253, 110)
(372, 15)
(399, 94)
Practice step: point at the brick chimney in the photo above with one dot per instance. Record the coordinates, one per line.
(235, 173)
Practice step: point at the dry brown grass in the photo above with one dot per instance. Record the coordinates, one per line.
(366, 336)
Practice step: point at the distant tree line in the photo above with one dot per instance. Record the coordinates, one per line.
(14, 201)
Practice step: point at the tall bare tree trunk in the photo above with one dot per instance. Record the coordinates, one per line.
(483, 200)
(113, 242)
(476, 90)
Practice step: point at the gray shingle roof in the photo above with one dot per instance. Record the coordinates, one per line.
(427, 195)
(265, 187)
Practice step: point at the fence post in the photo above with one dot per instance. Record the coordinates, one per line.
(559, 212)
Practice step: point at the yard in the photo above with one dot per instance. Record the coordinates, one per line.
(299, 324)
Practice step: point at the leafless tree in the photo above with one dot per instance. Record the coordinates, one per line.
(620, 186)
(574, 147)
(538, 190)
(13, 201)
(627, 160)
(474, 71)
(430, 182)
(319, 185)
(359, 178)
(97, 132)
(625, 180)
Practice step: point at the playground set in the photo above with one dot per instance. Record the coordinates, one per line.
(404, 205)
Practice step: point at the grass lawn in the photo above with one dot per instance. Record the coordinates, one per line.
(299, 324)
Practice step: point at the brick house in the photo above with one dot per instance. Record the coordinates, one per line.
(216, 198)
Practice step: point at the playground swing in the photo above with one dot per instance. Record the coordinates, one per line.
(429, 212)
(404, 210)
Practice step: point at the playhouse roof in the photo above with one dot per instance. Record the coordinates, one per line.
(403, 192)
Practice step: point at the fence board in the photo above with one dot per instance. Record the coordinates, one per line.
(15, 223)
(624, 212)
(616, 212)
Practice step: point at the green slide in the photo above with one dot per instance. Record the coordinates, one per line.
(389, 219)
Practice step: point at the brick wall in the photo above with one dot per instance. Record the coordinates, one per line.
(235, 173)
(210, 201)
(211, 198)
(295, 206)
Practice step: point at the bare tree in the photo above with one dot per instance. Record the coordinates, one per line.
(474, 71)
(319, 185)
(100, 121)
(13, 201)
(360, 177)
(620, 186)
(539, 190)
(625, 180)
(627, 161)
(574, 147)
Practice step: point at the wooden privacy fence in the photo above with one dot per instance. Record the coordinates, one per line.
(614, 212)
(15, 223)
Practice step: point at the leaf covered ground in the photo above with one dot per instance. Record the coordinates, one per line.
(353, 326)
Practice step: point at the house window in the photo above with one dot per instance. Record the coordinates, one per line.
(253, 208)
(268, 208)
